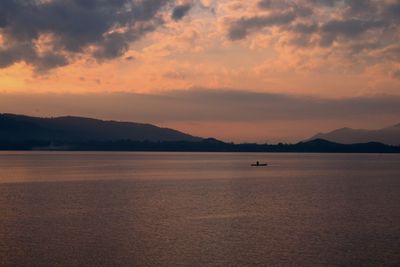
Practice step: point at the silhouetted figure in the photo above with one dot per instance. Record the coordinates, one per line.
(258, 164)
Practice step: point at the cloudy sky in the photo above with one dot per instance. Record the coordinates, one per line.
(254, 70)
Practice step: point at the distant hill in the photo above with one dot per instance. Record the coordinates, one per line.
(17, 128)
(19, 132)
(321, 145)
(389, 135)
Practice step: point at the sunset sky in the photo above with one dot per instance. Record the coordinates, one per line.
(254, 70)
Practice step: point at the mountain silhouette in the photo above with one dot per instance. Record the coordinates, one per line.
(389, 135)
(18, 132)
(322, 145)
(69, 129)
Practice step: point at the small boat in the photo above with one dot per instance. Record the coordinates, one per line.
(258, 164)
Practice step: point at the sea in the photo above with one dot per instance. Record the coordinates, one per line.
(199, 209)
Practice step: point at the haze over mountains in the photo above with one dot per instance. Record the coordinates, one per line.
(389, 135)
(20, 128)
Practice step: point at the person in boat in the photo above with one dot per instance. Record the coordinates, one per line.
(258, 163)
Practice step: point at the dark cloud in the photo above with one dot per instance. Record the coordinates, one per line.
(49, 60)
(357, 26)
(114, 45)
(101, 27)
(350, 7)
(180, 11)
(358, 16)
(393, 11)
(351, 28)
(360, 7)
(282, 14)
(277, 4)
(305, 28)
(26, 52)
(241, 28)
(325, 2)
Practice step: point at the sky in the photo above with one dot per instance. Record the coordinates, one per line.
(254, 70)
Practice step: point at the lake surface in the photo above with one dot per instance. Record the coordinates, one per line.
(199, 209)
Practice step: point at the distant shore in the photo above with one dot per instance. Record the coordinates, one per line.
(206, 145)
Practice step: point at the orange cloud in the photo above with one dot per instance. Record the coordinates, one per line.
(341, 49)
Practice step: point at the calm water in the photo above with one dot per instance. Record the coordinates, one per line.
(193, 209)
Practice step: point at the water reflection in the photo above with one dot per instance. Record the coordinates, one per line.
(157, 209)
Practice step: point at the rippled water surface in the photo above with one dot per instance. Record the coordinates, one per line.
(199, 209)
